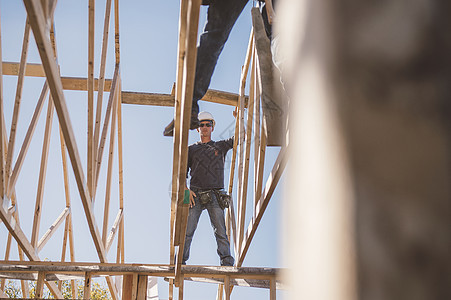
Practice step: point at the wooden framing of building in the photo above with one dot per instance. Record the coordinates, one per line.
(249, 111)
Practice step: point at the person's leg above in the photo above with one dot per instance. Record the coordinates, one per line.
(221, 16)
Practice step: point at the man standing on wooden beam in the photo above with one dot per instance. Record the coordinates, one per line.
(221, 16)
(206, 164)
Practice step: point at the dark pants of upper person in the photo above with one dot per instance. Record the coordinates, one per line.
(221, 16)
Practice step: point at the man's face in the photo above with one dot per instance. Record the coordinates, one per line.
(205, 128)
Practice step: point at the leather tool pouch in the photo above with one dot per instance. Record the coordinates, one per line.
(204, 197)
(223, 199)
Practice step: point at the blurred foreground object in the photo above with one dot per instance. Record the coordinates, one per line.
(369, 190)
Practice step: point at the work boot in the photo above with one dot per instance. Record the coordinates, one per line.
(169, 130)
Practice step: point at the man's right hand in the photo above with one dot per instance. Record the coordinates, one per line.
(191, 198)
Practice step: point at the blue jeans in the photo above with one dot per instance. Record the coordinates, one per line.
(221, 16)
(217, 221)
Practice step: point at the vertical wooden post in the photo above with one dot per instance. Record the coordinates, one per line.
(42, 174)
(171, 289)
(142, 287)
(87, 288)
(116, 31)
(101, 81)
(220, 292)
(20, 80)
(227, 287)
(91, 27)
(272, 288)
(40, 285)
(127, 286)
(2, 147)
(106, 211)
(181, 284)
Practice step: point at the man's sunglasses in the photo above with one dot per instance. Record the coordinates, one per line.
(205, 124)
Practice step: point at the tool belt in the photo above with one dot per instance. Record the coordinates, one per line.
(221, 196)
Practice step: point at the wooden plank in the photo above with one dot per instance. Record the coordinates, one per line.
(127, 286)
(241, 131)
(164, 270)
(227, 287)
(181, 48)
(42, 174)
(36, 18)
(17, 101)
(187, 85)
(142, 287)
(273, 108)
(27, 140)
(155, 99)
(119, 148)
(40, 285)
(181, 287)
(80, 84)
(245, 172)
(260, 150)
(106, 211)
(272, 289)
(102, 74)
(116, 31)
(271, 184)
(31, 69)
(220, 292)
(53, 228)
(106, 122)
(87, 286)
(2, 128)
(90, 125)
(68, 232)
(113, 230)
(15, 230)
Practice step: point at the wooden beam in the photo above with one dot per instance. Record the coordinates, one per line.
(40, 285)
(248, 282)
(164, 270)
(227, 287)
(90, 143)
(245, 172)
(42, 174)
(187, 85)
(271, 184)
(102, 75)
(15, 230)
(2, 128)
(141, 98)
(113, 230)
(127, 287)
(142, 288)
(106, 211)
(27, 140)
(20, 80)
(116, 32)
(36, 18)
(106, 122)
(272, 289)
(53, 228)
(87, 286)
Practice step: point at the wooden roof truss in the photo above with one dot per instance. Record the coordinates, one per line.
(253, 129)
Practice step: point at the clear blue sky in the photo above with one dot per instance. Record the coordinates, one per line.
(148, 36)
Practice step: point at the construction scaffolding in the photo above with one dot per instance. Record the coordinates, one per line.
(260, 123)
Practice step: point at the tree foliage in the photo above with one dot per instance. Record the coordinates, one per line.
(99, 291)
